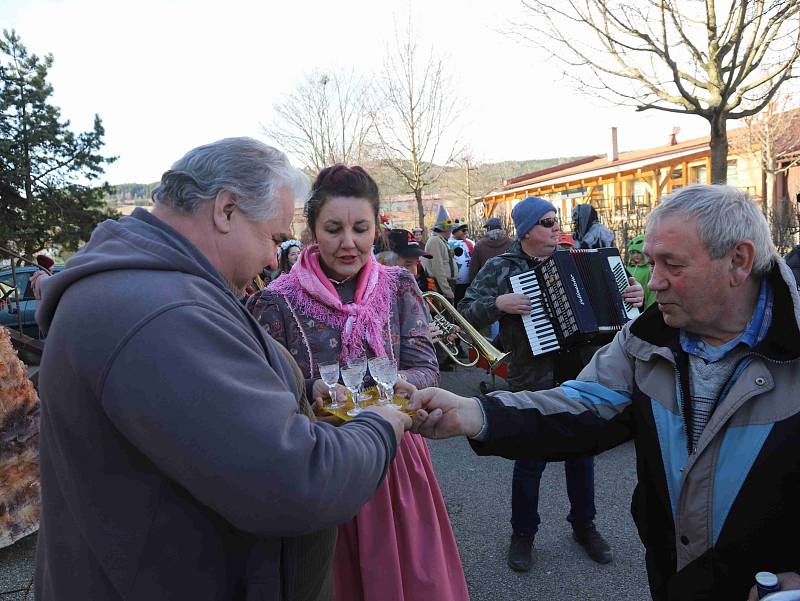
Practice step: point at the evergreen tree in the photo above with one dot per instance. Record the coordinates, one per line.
(47, 195)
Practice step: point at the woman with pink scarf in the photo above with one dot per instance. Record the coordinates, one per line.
(337, 302)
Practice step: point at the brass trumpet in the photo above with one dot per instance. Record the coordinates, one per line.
(446, 317)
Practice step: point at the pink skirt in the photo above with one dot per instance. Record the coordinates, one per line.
(400, 546)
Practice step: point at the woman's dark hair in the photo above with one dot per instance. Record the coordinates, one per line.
(284, 262)
(341, 180)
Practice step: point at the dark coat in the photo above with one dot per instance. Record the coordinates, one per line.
(485, 249)
(708, 520)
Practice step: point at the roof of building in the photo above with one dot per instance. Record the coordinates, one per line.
(551, 169)
(599, 165)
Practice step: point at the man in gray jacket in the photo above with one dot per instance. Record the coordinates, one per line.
(705, 382)
(174, 461)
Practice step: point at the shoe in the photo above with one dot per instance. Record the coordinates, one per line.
(519, 552)
(593, 543)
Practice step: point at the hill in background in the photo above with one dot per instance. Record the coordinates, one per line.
(131, 194)
(451, 190)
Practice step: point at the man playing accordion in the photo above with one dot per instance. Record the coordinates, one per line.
(490, 298)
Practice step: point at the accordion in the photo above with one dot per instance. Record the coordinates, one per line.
(576, 295)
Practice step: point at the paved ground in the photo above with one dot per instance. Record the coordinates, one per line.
(16, 569)
(477, 491)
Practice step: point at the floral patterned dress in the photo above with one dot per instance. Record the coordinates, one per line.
(400, 546)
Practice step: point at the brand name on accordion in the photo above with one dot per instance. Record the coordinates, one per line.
(577, 290)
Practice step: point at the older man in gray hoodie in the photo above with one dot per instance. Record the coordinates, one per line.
(175, 463)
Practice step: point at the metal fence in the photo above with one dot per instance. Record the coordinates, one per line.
(627, 216)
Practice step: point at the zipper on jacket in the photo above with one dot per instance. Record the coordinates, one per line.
(683, 405)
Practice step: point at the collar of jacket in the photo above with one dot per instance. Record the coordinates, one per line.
(515, 252)
(782, 342)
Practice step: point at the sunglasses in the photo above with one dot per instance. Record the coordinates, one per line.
(548, 222)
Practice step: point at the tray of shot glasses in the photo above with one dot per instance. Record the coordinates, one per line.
(366, 401)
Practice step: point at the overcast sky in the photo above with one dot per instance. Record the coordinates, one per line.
(168, 75)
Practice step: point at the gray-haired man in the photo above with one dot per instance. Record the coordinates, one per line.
(705, 382)
(175, 462)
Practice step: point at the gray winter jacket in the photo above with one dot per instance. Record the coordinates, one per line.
(174, 462)
(711, 519)
(589, 232)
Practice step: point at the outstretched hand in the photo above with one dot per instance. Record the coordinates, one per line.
(399, 421)
(442, 414)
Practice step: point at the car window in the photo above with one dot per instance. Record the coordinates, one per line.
(28, 294)
(22, 282)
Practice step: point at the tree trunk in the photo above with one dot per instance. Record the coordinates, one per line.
(420, 208)
(769, 195)
(719, 149)
(26, 154)
(770, 166)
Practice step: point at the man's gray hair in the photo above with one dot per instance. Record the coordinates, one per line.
(251, 171)
(725, 216)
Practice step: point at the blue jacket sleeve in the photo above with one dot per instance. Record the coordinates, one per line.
(581, 417)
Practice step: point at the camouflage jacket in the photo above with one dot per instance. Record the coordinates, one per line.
(478, 306)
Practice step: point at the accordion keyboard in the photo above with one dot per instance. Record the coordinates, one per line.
(540, 331)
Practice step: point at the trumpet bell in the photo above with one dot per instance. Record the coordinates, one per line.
(446, 316)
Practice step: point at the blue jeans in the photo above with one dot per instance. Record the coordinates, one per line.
(525, 494)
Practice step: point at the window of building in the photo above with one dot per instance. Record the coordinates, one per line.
(699, 174)
(733, 173)
(640, 193)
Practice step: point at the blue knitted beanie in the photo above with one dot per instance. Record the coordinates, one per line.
(528, 212)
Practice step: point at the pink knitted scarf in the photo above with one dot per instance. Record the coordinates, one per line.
(308, 290)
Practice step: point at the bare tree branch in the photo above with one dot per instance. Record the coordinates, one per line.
(773, 137)
(413, 116)
(674, 56)
(326, 120)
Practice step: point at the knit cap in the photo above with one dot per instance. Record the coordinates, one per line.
(528, 212)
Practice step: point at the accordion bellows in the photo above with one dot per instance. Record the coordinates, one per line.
(575, 295)
(19, 452)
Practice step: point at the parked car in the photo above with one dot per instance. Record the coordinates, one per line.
(27, 302)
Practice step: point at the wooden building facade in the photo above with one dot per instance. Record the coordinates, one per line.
(627, 185)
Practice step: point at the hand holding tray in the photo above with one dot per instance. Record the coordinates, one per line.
(341, 412)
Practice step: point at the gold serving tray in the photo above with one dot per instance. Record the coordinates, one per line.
(341, 412)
